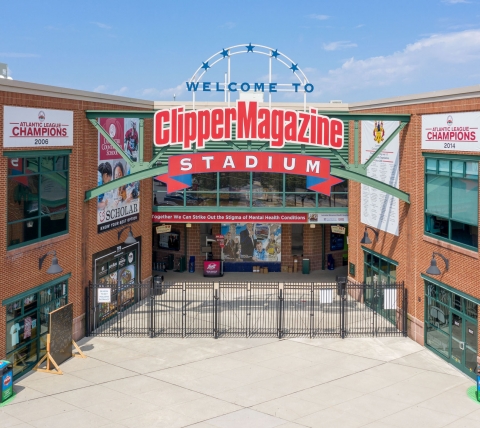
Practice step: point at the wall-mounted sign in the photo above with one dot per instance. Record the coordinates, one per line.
(273, 125)
(120, 206)
(164, 228)
(104, 295)
(451, 131)
(181, 167)
(379, 209)
(35, 127)
(327, 218)
(338, 229)
(179, 217)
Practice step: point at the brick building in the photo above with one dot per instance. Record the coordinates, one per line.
(88, 251)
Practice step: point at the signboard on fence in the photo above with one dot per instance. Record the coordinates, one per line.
(60, 326)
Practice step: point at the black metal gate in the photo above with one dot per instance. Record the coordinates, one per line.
(244, 309)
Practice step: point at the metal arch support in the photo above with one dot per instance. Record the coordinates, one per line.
(136, 176)
(350, 174)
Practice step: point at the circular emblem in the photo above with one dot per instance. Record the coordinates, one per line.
(101, 216)
(41, 116)
(112, 130)
(7, 380)
(449, 120)
(130, 257)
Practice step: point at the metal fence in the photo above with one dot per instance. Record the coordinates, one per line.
(243, 309)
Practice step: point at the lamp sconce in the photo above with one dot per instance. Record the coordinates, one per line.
(54, 267)
(366, 239)
(130, 239)
(433, 269)
(312, 226)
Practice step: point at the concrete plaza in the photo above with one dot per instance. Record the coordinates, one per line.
(205, 383)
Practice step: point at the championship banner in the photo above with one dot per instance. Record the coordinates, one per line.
(181, 167)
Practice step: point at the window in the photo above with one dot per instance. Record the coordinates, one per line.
(37, 199)
(27, 324)
(451, 201)
(379, 270)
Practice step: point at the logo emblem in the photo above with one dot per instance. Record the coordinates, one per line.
(212, 266)
(41, 116)
(112, 130)
(101, 216)
(378, 132)
(130, 257)
(449, 120)
(6, 380)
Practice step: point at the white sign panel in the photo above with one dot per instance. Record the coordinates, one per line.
(390, 298)
(451, 132)
(326, 296)
(379, 209)
(327, 218)
(104, 295)
(37, 127)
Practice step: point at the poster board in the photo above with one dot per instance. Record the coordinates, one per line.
(60, 325)
(380, 210)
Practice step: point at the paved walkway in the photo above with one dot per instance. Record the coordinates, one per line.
(254, 383)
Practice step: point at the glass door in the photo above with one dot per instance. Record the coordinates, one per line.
(464, 342)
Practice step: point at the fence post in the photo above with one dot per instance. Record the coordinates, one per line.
(405, 309)
(342, 291)
(152, 308)
(87, 309)
(215, 313)
(312, 302)
(184, 309)
(248, 309)
(375, 303)
(280, 312)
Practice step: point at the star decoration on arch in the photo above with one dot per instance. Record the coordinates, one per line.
(294, 67)
(249, 47)
(224, 53)
(275, 54)
(205, 65)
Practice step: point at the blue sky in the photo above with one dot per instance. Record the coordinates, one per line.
(350, 50)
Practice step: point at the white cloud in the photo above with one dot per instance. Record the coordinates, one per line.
(229, 25)
(101, 25)
(429, 57)
(164, 94)
(18, 55)
(100, 88)
(455, 1)
(120, 91)
(335, 46)
(319, 17)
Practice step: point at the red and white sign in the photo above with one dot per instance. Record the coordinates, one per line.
(451, 131)
(212, 268)
(179, 217)
(287, 163)
(273, 125)
(33, 127)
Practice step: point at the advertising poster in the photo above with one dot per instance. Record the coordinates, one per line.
(451, 132)
(380, 210)
(119, 206)
(252, 242)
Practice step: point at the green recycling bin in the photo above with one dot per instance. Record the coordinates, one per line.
(6, 389)
(306, 266)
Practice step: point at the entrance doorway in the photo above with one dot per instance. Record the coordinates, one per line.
(451, 327)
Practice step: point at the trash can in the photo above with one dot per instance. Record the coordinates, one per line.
(330, 262)
(6, 371)
(170, 262)
(191, 264)
(183, 264)
(306, 266)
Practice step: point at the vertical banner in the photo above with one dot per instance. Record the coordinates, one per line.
(121, 205)
(257, 242)
(379, 209)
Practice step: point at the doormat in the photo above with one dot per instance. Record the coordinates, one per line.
(8, 401)
(472, 393)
